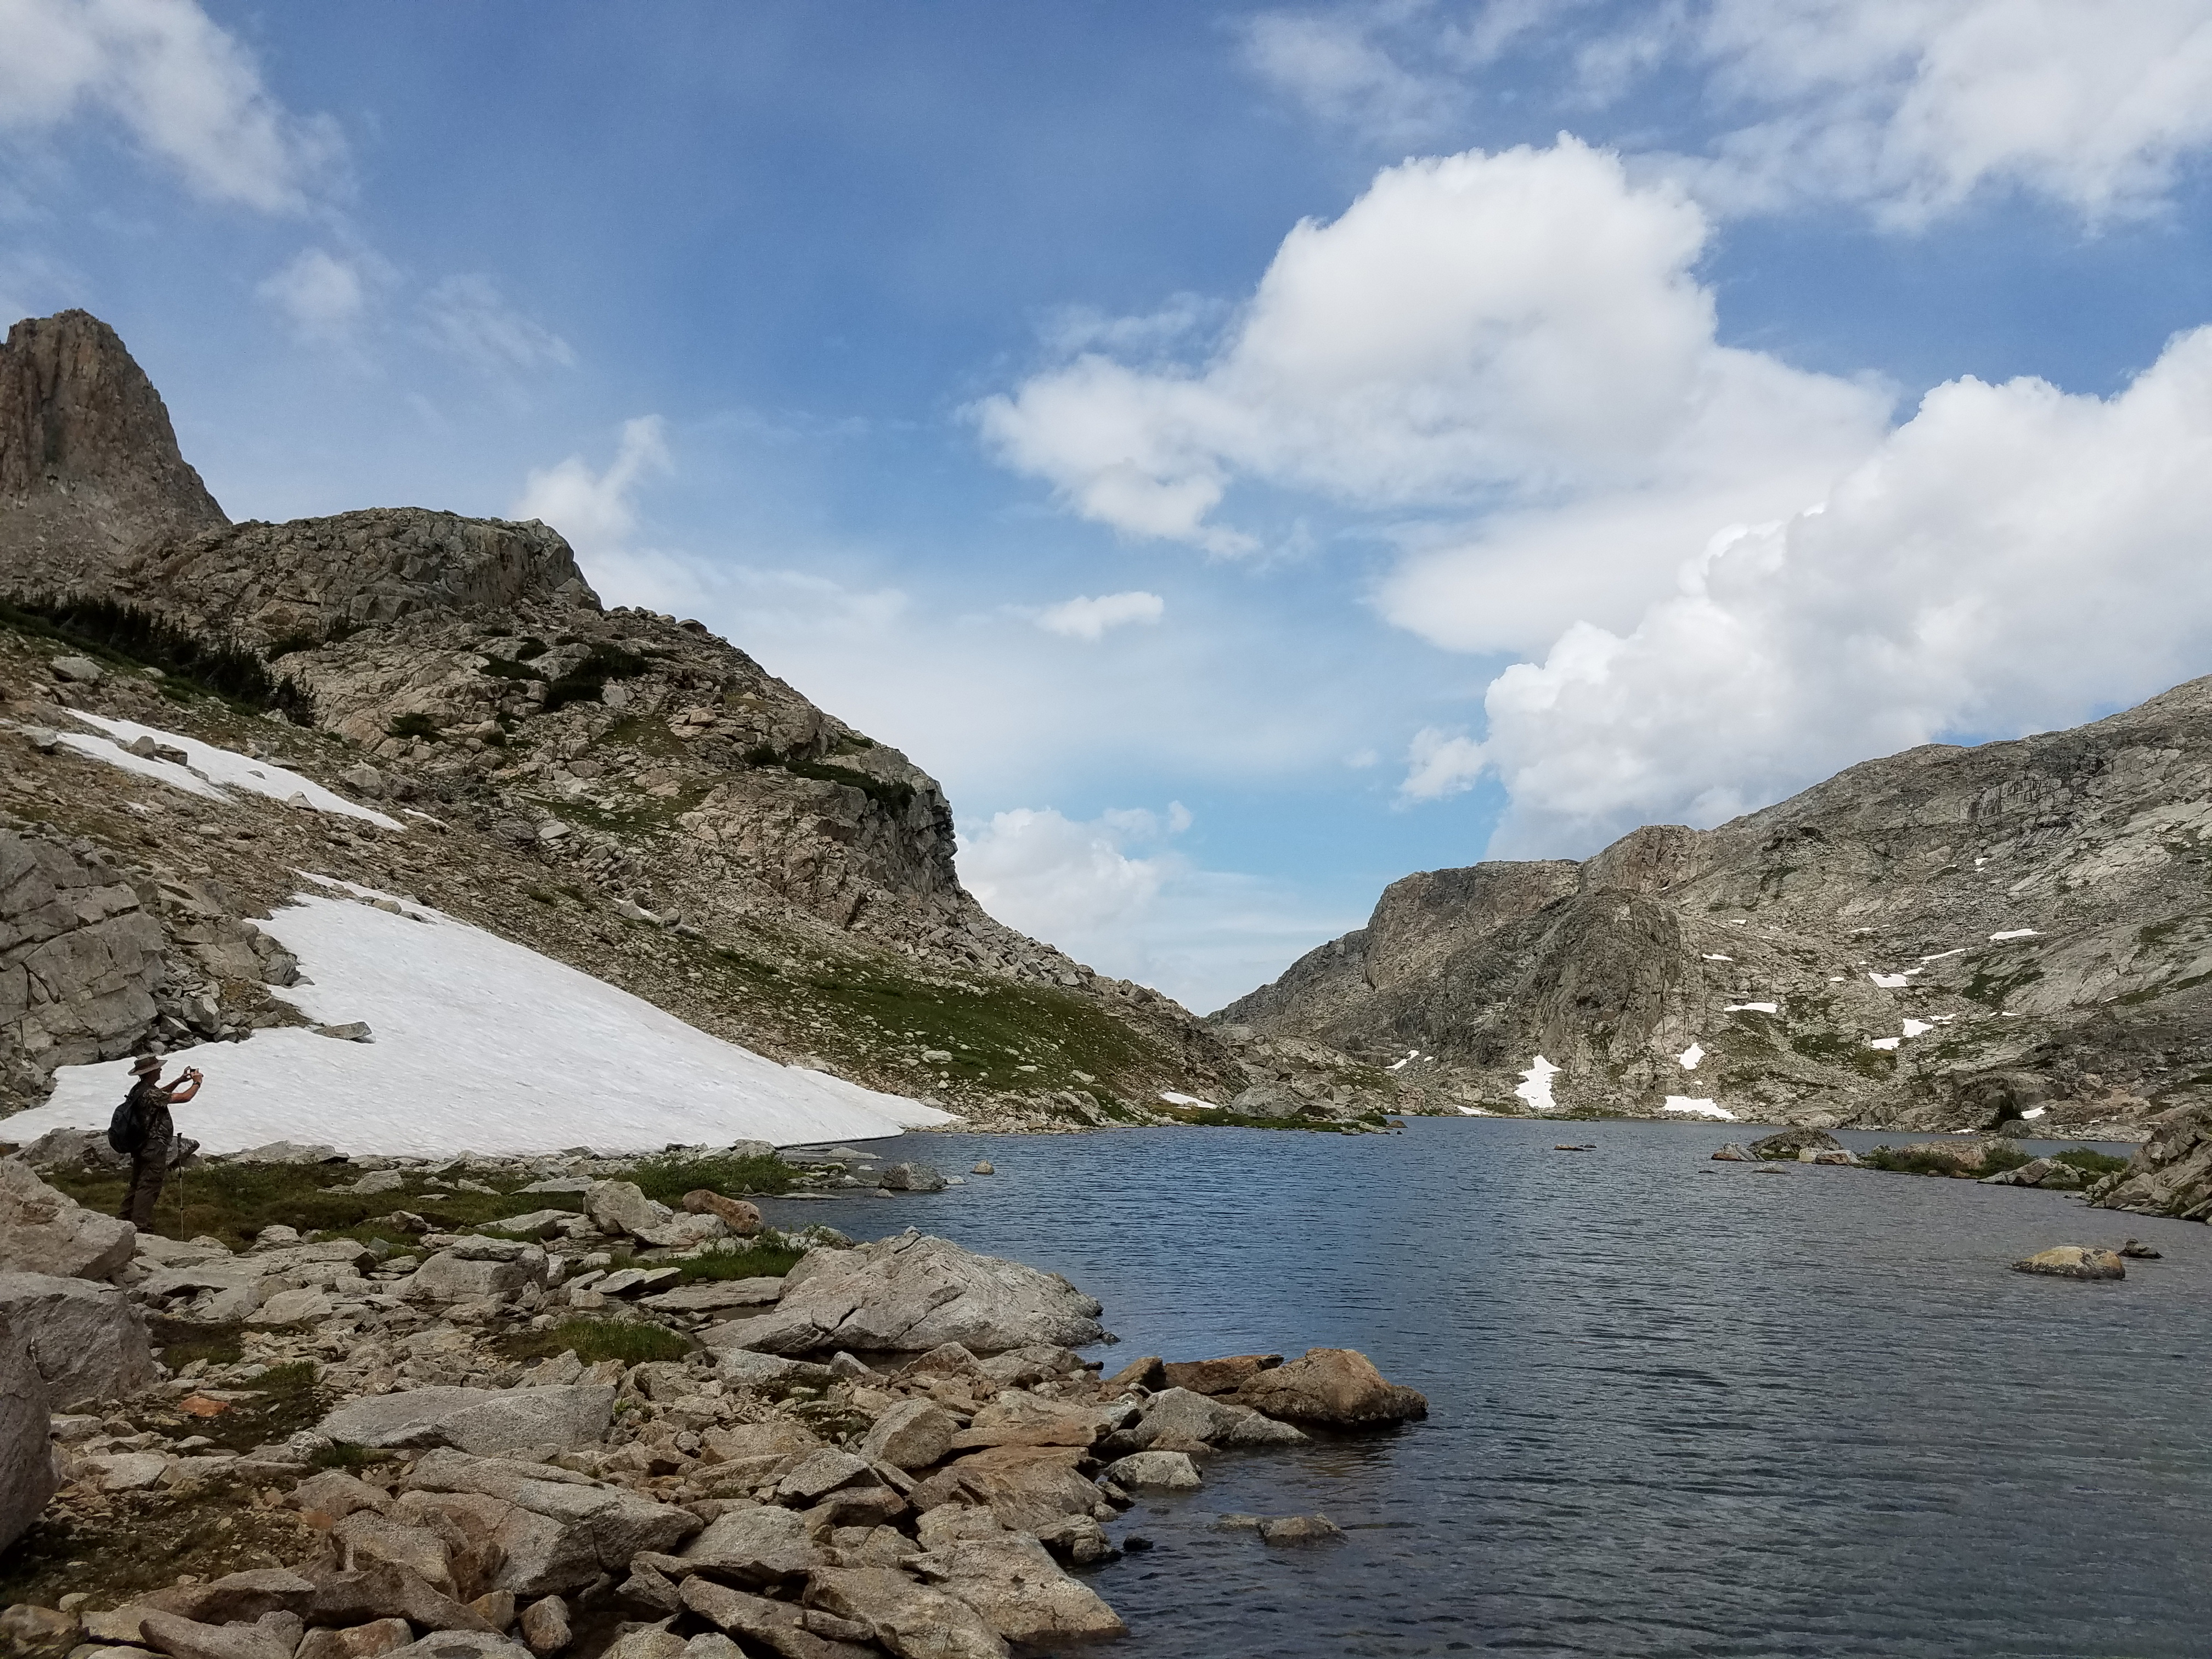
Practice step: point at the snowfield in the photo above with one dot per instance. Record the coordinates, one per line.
(479, 1045)
(208, 771)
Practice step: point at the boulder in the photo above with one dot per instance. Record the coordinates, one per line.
(334, 1495)
(27, 1477)
(69, 1148)
(1224, 1375)
(87, 1341)
(366, 1536)
(742, 1367)
(1148, 1372)
(1026, 1420)
(273, 1635)
(911, 1435)
(777, 1627)
(620, 1207)
(2073, 1261)
(44, 1231)
(914, 1293)
(1027, 1487)
(478, 1268)
(716, 1295)
(760, 1547)
(467, 1644)
(2171, 1173)
(912, 1620)
(1339, 1386)
(1019, 1590)
(545, 1629)
(911, 1178)
(373, 1640)
(238, 1596)
(1299, 1529)
(1733, 1153)
(1169, 1471)
(552, 1529)
(1176, 1416)
(483, 1421)
(384, 1590)
(1786, 1144)
(742, 1219)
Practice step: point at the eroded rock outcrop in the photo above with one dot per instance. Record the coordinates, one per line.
(89, 467)
(1948, 937)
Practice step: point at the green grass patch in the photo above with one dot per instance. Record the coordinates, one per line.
(757, 1260)
(1908, 1160)
(235, 1201)
(1993, 990)
(181, 1341)
(2090, 1161)
(670, 1176)
(1852, 1053)
(592, 1340)
(2166, 988)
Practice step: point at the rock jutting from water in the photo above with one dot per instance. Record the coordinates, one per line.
(482, 1445)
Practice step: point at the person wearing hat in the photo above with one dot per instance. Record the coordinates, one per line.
(149, 1101)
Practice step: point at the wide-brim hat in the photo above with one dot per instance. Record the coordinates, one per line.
(144, 1064)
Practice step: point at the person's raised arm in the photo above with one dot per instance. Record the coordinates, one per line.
(186, 1089)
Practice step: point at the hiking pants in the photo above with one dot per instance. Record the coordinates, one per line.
(147, 1170)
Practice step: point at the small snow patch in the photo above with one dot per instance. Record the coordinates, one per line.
(2035, 1111)
(1710, 957)
(1696, 1108)
(1885, 1042)
(1752, 1008)
(1940, 955)
(1893, 981)
(210, 771)
(1741, 922)
(1913, 1028)
(1690, 1057)
(2015, 932)
(1175, 1099)
(1535, 1085)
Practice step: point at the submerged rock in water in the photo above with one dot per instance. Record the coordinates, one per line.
(1732, 1153)
(2073, 1261)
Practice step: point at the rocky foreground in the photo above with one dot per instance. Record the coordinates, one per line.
(570, 1430)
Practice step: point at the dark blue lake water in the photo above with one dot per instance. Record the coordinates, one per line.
(1676, 1407)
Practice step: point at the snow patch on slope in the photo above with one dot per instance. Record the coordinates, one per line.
(1535, 1085)
(1695, 1108)
(479, 1045)
(208, 770)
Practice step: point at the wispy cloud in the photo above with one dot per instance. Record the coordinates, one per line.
(467, 316)
(1085, 618)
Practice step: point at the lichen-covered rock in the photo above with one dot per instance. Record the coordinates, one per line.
(914, 1293)
(1019, 1590)
(45, 1232)
(87, 1341)
(28, 1476)
(482, 1421)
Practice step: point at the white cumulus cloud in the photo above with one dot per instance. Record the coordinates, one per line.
(1086, 618)
(1518, 335)
(598, 511)
(183, 89)
(2013, 558)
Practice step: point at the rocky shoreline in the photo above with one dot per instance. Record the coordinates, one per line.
(596, 1424)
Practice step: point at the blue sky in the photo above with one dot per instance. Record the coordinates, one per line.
(1247, 453)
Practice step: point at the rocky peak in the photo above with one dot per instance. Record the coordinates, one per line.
(89, 467)
(289, 585)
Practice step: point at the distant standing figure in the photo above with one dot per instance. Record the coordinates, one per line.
(149, 1101)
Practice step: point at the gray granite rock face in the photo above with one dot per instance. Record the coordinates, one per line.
(2036, 909)
(89, 468)
(28, 1476)
(45, 1232)
(87, 1341)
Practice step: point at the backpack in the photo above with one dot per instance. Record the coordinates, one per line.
(126, 1130)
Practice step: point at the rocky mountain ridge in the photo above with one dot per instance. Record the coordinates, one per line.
(1945, 939)
(616, 788)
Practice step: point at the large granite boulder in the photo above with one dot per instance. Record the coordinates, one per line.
(2073, 1261)
(28, 1476)
(87, 1341)
(2171, 1173)
(1019, 1590)
(1338, 1387)
(913, 1292)
(482, 1421)
(44, 1231)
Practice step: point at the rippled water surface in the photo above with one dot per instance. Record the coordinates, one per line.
(1676, 1407)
